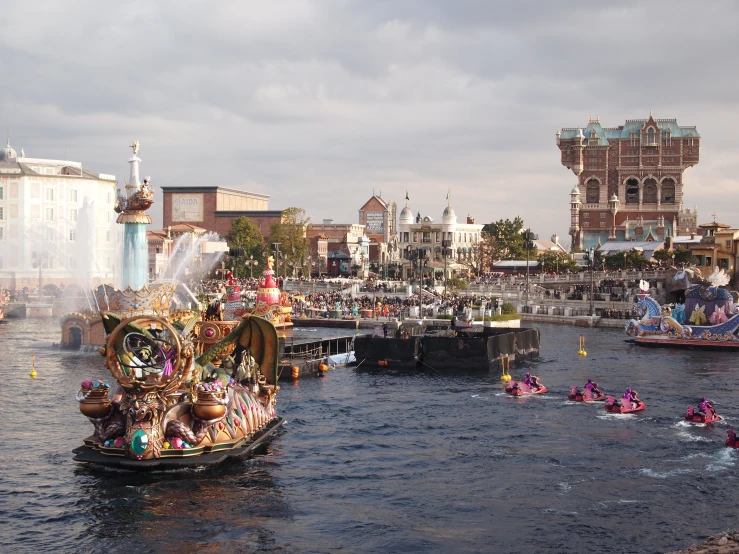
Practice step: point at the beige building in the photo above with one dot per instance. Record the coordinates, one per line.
(459, 241)
(57, 215)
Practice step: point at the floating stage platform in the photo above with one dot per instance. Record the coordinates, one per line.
(472, 349)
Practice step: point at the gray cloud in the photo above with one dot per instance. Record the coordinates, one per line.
(319, 102)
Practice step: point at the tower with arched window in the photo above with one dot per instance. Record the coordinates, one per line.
(642, 163)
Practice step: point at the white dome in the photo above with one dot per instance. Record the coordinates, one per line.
(575, 190)
(7, 153)
(406, 215)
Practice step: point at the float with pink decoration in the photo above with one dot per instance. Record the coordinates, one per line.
(709, 318)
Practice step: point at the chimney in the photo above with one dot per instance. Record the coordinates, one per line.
(470, 220)
(555, 239)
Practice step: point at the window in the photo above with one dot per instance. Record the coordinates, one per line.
(2, 233)
(72, 235)
(650, 137)
(602, 223)
(50, 195)
(73, 195)
(2, 215)
(415, 237)
(668, 191)
(49, 170)
(73, 215)
(592, 191)
(437, 237)
(109, 198)
(586, 215)
(709, 261)
(603, 215)
(405, 236)
(49, 214)
(425, 236)
(728, 244)
(586, 224)
(632, 191)
(650, 192)
(1, 193)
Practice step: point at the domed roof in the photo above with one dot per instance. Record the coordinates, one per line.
(7, 153)
(406, 213)
(449, 212)
(575, 190)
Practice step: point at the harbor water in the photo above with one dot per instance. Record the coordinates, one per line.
(378, 461)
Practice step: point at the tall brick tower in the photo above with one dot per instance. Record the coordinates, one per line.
(630, 179)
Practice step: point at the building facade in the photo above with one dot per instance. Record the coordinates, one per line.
(422, 234)
(57, 219)
(378, 216)
(630, 179)
(215, 208)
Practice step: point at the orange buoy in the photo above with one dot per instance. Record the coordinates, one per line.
(296, 372)
(382, 363)
(322, 367)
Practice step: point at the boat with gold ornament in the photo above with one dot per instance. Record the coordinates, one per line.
(179, 397)
(271, 303)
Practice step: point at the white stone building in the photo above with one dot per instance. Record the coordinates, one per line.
(421, 234)
(55, 214)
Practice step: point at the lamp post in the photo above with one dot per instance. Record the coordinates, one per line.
(528, 244)
(446, 249)
(591, 256)
(251, 262)
(276, 248)
(613, 204)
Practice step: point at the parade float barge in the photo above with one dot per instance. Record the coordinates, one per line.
(705, 302)
(187, 391)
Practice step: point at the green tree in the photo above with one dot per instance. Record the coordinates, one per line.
(682, 256)
(290, 233)
(503, 240)
(663, 256)
(615, 261)
(635, 259)
(245, 234)
(556, 261)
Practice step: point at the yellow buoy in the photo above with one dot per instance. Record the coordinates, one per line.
(582, 352)
(33, 366)
(505, 364)
(296, 372)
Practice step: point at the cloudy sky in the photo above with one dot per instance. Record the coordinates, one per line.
(320, 102)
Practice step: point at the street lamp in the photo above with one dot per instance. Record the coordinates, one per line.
(276, 248)
(251, 262)
(591, 260)
(613, 204)
(446, 251)
(528, 244)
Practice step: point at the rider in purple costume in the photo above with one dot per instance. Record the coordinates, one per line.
(592, 387)
(704, 405)
(527, 378)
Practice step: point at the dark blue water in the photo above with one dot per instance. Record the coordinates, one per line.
(383, 462)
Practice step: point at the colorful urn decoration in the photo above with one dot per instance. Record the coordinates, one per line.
(169, 406)
(271, 303)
